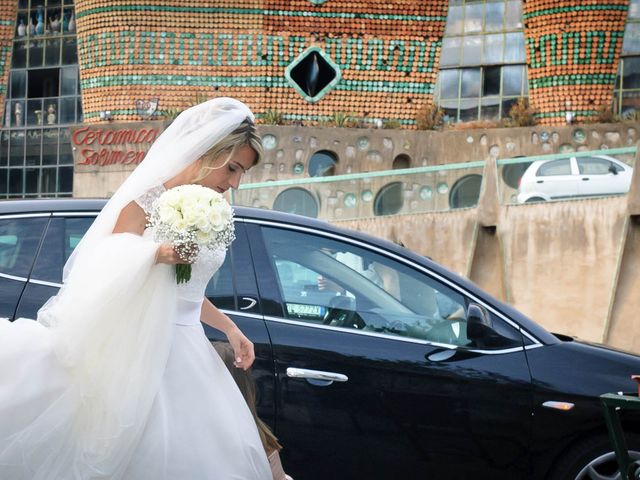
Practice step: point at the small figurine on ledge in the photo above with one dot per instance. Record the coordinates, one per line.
(51, 114)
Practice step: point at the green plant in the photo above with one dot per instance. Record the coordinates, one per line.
(199, 98)
(475, 124)
(521, 114)
(272, 117)
(171, 113)
(605, 114)
(429, 117)
(391, 124)
(342, 120)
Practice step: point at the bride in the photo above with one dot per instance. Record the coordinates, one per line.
(116, 378)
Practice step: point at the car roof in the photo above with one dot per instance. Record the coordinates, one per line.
(61, 205)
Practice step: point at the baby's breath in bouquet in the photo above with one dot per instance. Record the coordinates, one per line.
(191, 217)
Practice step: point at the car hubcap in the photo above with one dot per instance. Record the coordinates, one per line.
(604, 467)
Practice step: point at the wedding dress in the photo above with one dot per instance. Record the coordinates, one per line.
(58, 422)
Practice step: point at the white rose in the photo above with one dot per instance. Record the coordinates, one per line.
(168, 215)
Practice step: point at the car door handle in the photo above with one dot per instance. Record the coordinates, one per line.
(540, 181)
(252, 302)
(585, 179)
(315, 375)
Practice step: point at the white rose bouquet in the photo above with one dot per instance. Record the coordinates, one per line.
(191, 217)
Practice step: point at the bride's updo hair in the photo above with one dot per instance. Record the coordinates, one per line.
(220, 154)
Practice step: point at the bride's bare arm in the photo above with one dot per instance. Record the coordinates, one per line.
(242, 346)
(132, 219)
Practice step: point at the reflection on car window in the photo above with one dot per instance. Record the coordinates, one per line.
(595, 166)
(19, 240)
(328, 282)
(555, 167)
(220, 288)
(61, 238)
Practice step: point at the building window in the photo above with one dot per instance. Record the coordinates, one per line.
(43, 98)
(627, 87)
(313, 74)
(323, 164)
(482, 67)
(465, 192)
(297, 200)
(389, 199)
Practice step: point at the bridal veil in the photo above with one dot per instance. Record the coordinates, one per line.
(107, 333)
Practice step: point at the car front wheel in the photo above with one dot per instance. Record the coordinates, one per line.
(593, 459)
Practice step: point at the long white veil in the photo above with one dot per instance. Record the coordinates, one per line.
(110, 327)
(189, 136)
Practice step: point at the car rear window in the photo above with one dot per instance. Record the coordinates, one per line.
(555, 167)
(19, 240)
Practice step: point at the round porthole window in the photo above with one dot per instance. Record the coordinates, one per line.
(465, 192)
(323, 164)
(512, 173)
(389, 199)
(297, 200)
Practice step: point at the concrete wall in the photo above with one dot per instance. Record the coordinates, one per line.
(573, 266)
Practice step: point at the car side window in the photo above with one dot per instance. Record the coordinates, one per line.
(329, 282)
(595, 166)
(555, 167)
(62, 236)
(19, 240)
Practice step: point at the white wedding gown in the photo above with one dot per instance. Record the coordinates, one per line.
(198, 426)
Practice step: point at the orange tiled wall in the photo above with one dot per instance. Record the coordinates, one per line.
(573, 49)
(388, 54)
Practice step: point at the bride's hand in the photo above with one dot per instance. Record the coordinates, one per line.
(166, 253)
(244, 354)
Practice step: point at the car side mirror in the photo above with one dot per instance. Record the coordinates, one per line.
(613, 169)
(478, 322)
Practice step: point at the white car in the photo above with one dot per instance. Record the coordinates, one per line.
(574, 177)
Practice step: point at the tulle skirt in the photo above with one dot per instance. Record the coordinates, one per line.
(199, 426)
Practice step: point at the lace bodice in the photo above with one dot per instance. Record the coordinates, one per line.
(206, 264)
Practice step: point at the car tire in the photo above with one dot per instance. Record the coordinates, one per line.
(593, 458)
(534, 199)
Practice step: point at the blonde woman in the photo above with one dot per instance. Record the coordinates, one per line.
(116, 378)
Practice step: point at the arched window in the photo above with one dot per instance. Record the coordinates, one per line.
(297, 200)
(512, 173)
(323, 164)
(465, 192)
(401, 161)
(389, 199)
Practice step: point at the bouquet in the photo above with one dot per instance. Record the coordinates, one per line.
(191, 217)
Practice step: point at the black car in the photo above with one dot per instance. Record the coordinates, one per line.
(372, 362)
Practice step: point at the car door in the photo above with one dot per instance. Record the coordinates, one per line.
(375, 376)
(597, 177)
(62, 234)
(20, 238)
(233, 289)
(557, 179)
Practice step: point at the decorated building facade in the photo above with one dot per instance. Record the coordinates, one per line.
(65, 63)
